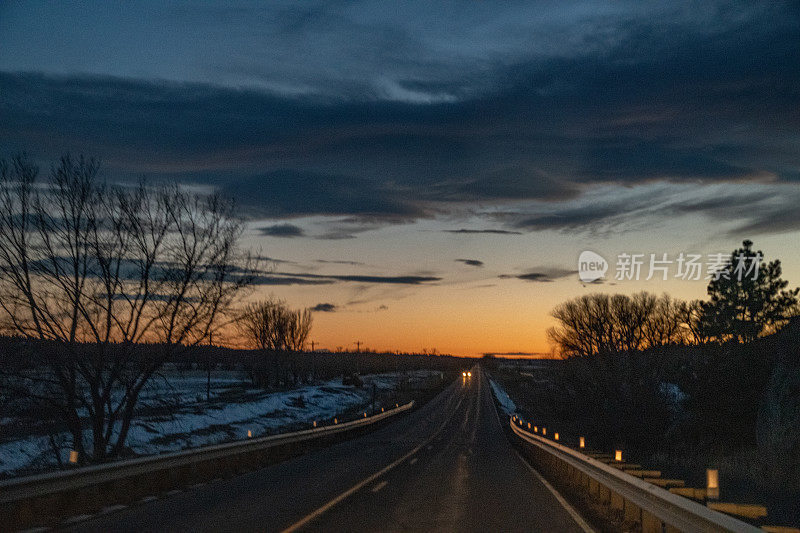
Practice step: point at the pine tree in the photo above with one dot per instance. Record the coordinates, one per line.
(749, 297)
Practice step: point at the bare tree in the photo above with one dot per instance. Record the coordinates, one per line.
(599, 324)
(272, 325)
(96, 271)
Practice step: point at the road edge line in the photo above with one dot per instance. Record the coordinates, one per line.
(582, 523)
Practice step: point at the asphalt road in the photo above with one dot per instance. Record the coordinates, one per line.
(444, 467)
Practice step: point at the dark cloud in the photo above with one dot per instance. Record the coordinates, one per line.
(691, 96)
(312, 279)
(534, 355)
(471, 262)
(489, 231)
(290, 280)
(542, 275)
(331, 262)
(324, 308)
(282, 230)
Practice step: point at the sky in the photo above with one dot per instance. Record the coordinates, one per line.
(425, 175)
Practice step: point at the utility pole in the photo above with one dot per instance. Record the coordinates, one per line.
(313, 345)
(358, 346)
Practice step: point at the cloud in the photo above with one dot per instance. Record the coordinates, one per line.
(542, 274)
(282, 230)
(549, 105)
(324, 308)
(311, 279)
(290, 280)
(532, 355)
(471, 262)
(489, 231)
(331, 262)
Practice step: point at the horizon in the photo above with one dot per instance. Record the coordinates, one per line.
(432, 183)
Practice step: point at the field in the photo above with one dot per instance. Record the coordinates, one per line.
(175, 413)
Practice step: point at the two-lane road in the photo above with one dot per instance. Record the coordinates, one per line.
(444, 467)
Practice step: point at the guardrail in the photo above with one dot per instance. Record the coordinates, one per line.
(46, 499)
(653, 508)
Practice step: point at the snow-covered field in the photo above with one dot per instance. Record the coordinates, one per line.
(178, 415)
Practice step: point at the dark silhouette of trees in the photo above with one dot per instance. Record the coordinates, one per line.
(602, 324)
(271, 325)
(749, 297)
(94, 271)
(280, 333)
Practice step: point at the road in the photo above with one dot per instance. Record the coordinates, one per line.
(445, 467)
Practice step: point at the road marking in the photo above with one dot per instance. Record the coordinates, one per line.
(310, 517)
(570, 509)
(414, 460)
(112, 509)
(77, 518)
(379, 486)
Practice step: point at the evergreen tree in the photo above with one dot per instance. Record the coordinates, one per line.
(748, 297)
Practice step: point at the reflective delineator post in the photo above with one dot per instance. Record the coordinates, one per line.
(582, 443)
(73, 456)
(335, 420)
(556, 436)
(315, 423)
(249, 433)
(536, 429)
(365, 415)
(544, 431)
(712, 483)
(618, 455)
(529, 425)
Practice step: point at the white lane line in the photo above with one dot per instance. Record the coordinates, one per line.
(112, 509)
(77, 518)
(379, 486)
(570, 509)
(310, 517)
(346, 494)
(414, 460)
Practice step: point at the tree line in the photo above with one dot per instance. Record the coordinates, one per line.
(739, 308)
(662, 377)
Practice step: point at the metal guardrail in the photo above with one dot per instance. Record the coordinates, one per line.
(655, 508)
(17, 495)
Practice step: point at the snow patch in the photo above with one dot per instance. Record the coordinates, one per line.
(506, 403)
